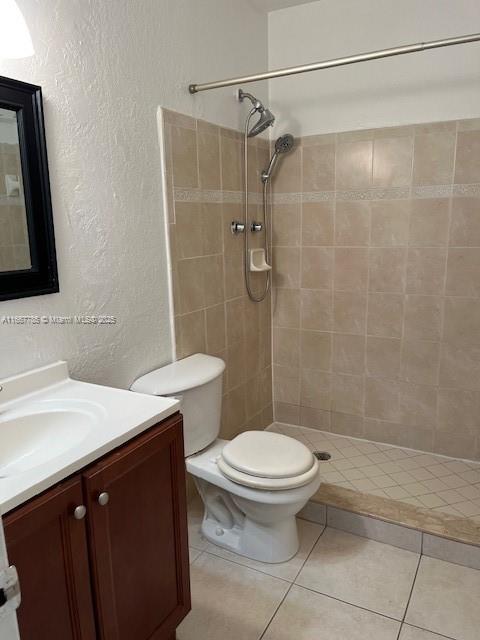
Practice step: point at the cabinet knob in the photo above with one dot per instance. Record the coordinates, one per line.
(103, 498)
(80, 512)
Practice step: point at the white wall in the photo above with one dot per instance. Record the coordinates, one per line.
(105, 67)
(437, 85)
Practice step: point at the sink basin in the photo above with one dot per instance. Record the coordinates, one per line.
(42, 431)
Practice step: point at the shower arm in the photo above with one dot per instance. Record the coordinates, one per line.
(337, 62)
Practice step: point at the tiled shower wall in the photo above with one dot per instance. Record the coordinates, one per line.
(204, 169)
(376, 305)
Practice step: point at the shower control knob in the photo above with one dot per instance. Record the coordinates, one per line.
(255, 227)
(237, 227)
(219, 531)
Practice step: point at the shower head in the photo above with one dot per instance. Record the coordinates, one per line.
(266, 116)
(266, 120)
(283, 144)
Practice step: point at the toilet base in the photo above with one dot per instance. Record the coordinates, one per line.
(265, 543)
(226, 524)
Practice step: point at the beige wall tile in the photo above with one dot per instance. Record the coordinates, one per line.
(389, 222)
(347, 425)
(286, 308)
(465, 224)
(383, 357)
(385, 314)
(352, 223)
(316, 309)
(392, 162)
(235, 364)
(418, 405)
(235, 320)
(423, 317)
(288, 174)
(212, 232)
(215, 328)
(459, 411)
(192, 333)
(213, 279)
(286, 347)
(234, 279)
(319, 167)
(426, 271)
(433, 158)
(462, 321)
(315, 418)
(191, 285)
(351, 269)
(354, 165)
(348, 353)
(317, 268)
(208, 139)
(288, 413)
(184, 157)
(231, 163)
(460, 366)
(467, 163)
(454, 444)
(316, 389)
(348, 394)
(286, 384)
(316, 350)
(286, 265)
(382, 398)
(429, 220)
(387, 270)
(463, 272)
(420, 362)
(286, 224)
(349, 312)
(317, 224)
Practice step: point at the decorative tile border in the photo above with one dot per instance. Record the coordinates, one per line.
(400, 193)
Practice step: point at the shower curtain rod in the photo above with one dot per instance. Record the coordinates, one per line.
(337, 62)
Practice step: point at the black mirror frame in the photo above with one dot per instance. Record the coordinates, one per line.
(42, 277)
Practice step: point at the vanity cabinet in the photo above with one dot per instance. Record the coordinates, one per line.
(120, 572)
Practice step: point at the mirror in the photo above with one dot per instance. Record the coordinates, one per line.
(28, 264)
(14, 243)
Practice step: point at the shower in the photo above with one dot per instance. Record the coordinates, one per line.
(284, 144)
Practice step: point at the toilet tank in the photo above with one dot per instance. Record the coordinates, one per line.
(197, 382)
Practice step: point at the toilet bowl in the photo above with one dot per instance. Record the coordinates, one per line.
(253, 486)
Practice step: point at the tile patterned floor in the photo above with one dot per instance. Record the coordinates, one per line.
(339, 586)
(422, 479)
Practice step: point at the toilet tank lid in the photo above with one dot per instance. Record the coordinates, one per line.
(181, 375)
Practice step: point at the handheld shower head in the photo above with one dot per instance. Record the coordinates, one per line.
(283, 144)
(266, 116)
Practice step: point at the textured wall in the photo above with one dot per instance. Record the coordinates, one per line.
(105, 68)
(213, 314)
(377, 301)
(423, 87)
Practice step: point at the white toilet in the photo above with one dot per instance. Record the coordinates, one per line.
(252, 486)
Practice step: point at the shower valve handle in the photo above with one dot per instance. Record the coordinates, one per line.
(237, 227)
(256, 227)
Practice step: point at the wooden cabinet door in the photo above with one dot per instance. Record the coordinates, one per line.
(138, 540)
(49, 548)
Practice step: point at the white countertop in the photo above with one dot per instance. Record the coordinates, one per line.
(119, 416)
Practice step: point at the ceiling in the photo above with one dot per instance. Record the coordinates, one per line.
(273, 5)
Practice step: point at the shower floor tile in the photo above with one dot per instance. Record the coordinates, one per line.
(433, 483)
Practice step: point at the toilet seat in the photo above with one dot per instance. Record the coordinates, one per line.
(269, 461)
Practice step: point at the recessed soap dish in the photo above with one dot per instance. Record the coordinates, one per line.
(258, 260)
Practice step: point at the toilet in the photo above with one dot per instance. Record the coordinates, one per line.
(253, 486)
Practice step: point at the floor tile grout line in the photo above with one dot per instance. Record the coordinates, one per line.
(415, 626)
(350, 604)
(411, 593)
(292, 584)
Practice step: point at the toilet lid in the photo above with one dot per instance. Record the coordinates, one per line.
(264, 454)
